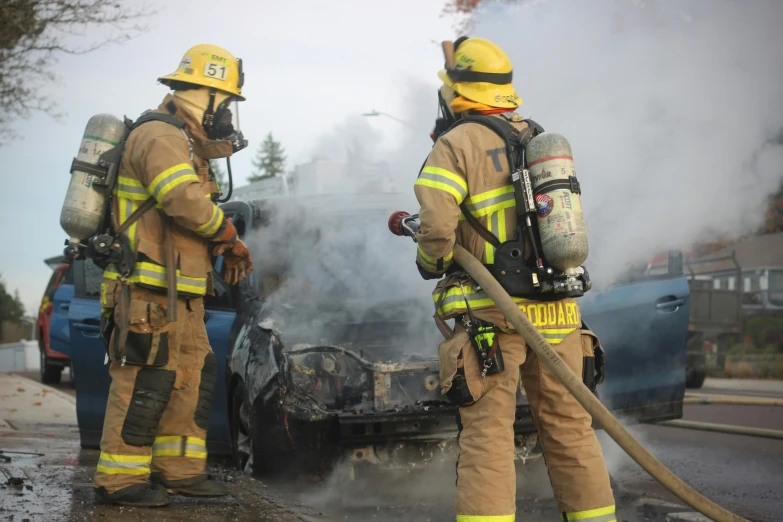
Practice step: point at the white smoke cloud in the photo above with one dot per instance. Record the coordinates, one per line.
(673, 110)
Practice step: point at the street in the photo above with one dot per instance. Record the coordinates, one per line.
(48, 477)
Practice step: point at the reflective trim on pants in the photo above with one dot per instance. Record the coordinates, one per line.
(112, 464)
(605, 514)
(176, 446)
(486, 518)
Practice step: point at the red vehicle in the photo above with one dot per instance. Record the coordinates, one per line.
(51, 331)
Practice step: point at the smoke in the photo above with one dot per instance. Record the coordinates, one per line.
(332, 273)
(673, 109)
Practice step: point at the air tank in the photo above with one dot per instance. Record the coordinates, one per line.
(561, 222)
(84, 208)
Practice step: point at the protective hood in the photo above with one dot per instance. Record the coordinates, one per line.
(202, 145)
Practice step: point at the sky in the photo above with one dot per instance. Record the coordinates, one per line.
(673, 108)
(308, 64)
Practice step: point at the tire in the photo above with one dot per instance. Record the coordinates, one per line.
(50, 373)
(694, 379)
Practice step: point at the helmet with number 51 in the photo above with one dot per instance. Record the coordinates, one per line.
(211, 73)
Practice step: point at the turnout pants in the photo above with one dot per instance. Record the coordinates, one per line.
(157, 416)
(486, 479)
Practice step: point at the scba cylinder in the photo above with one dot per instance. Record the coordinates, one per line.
(561, 222)
(84, 208)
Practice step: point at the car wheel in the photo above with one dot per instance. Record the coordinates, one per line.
(242, 429)
(50, 374)
(694, 379)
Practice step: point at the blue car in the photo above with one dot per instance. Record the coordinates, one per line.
(341, 360)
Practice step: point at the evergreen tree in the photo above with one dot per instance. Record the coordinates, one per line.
(270, 160)
(11, 307)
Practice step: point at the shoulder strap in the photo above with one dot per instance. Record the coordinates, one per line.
(150, 202)
(515, 141)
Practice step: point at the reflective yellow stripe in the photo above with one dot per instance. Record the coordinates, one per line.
(488, 202)
(155, 275)
(554, 320)
(112, 464)
(442, 179)
(179, 446)
(606, 514)
(130, 188)
(209, 228)
(431, 263)
(171, 178)
(486, 518)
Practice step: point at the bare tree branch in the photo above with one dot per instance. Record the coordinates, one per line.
(33, 33)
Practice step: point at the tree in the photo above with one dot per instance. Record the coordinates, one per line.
(270, 160)
(220, 174)
(11, 307)
(33, 33)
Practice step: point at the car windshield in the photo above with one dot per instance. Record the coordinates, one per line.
(334, 274)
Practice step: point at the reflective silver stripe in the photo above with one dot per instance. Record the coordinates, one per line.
(123, 465)
(161, 446)
(181, 280)
(458, 298)
(476, 207)
(171, 177)
(216, 215)
(553, 336)
(446, 181)
(133, 189)
(195, 447)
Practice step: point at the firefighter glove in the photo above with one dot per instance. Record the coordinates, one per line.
(237, 259)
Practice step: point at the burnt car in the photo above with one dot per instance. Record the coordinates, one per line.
(333, 353)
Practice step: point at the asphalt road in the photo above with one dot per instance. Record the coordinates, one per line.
(741, 473)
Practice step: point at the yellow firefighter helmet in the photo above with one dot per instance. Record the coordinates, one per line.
(210, 66)
(481, 73)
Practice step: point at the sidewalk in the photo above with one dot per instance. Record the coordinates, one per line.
(45, 475)
(742, 385)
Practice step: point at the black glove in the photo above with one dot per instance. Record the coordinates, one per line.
(426, 274)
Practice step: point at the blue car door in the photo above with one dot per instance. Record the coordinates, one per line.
(643, 329)
(87, 352)
(220, 316)
(59, 329)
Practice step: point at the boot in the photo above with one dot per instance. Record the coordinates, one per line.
(199, 486)
(138, 495)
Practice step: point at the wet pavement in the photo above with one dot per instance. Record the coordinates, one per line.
(44, 475)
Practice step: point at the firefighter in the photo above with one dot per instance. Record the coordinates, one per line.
(468, 171)
(164, 373)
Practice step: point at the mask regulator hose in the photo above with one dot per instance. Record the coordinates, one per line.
(576, 387)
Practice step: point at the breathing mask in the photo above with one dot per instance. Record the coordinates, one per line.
(218, 123)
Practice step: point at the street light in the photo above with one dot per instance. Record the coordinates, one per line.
(376, 113)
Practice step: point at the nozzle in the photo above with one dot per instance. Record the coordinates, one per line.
(395, 222)
(403, 224)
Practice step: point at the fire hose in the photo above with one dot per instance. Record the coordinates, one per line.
(573, 383)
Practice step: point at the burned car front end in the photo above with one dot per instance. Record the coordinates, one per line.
(336, 357)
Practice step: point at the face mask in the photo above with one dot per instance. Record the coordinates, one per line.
(219, 124)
